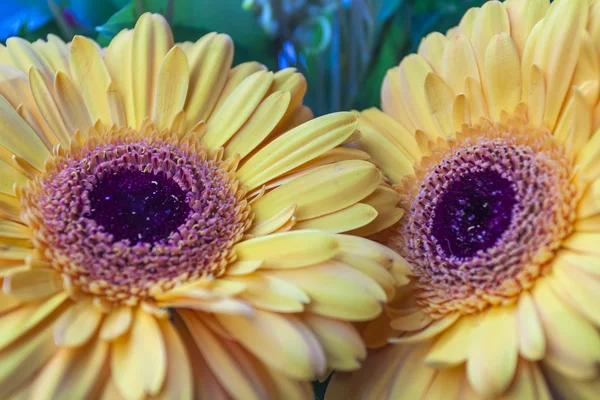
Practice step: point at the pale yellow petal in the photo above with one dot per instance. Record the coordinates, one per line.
(91, 75)
(210, 60)
(118, 62)
(282, 342)
(532, 342)
(492, 357)
(260, 124)
(70, 102)
(77, 325)
(296, 147)
(273, 294)
(171, 87)
(430, 331)
(391, 99)
(414, 377)
(116, 324)
(236, 110)
(322, 191)
(337, 290)
(459, 63)
(290, 249)
(33, 284)
(139, 359)
(574, 126)
(431, 49)
(274, 222)
(502, 75)
(452, 346)
(523, 15)
(347, 219)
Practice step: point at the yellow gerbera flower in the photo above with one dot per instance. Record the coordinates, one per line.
(169, 228)
(488, 136)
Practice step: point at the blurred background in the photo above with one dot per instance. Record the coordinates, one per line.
(344, 47)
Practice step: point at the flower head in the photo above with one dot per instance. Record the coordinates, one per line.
(172, 227)
(490, 136)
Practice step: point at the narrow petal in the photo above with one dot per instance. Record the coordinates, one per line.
(532, 341)
(431, 49)
(296, 147)
(139, 360)
(322, 191)
(502, 75)
(575, 123)
(459, 63)
(349, 218)
(152, 39)
(430, 331)
(116, 324)
(32, 285)
(282, 342)
(290, 249)
(77, 325)
(270, 293)
(492, 357)
(260, 124)
(337, 290)
(171, 87)
(391, 99)
(452, 347)
(91, 75)
(118, 62)
(441, 100)
(70, 101)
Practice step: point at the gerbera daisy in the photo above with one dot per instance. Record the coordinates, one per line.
(172, 227)
(491, 137)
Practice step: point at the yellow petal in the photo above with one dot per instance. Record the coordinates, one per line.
(569, 388)
(532, 342)
(152, 39)
(589, 264)
(215, 352)
(572, 343)
(77, 325)
(344, 220)
(446, 384)
(322, 191)
(391, 99)
(431, 49)
(9, 252)
(17, 323)
(70, 101)
(386, 257)
(583, 242)
(413, 72)
(116, 324)
(290, 80)
(72, 373)
(139, 360)
(260, 124)
(451, 348)
(178, 382)
(341, 342)
(275, 222)
(91, 75)
(502, 75)
(337, 290)
(477, 104)
(19, 138)
(430, 331)
(282, 342)
(536, 95)
(19, 364)
(33, 284)
(290, 249)
(210, 60)
(171, 87)
(413, 321)
(296, 147)
(240, 268)
(269, 293)
(580, 288)
(487, 23)
(441, 100)
(413, 377)
(557, 52)
(118, 62)
(587, 158)
(523, 15)
(574, 126)
(459, 63)
(236, 110)
(391, 160)
(10, 229)
(24, 56)
(492, 358)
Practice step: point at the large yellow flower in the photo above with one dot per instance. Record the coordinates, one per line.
(172, 227)
(488, 136)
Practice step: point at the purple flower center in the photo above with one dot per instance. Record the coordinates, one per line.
(140, 206)
(473, 213)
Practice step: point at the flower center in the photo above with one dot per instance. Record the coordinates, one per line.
(492, 207)
(138, 206)
(473, 213)
(127, 215)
